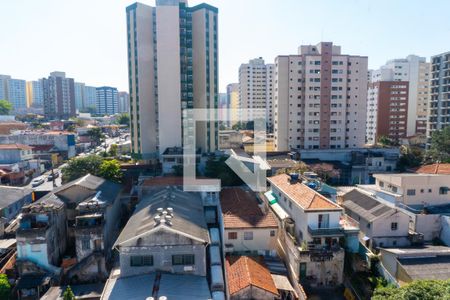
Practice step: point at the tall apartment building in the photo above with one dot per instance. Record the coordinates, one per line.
(320, 99)
(255, 88)
(79, 95)
(35, 93)
(59, 96)
(90, 98)
(173, 65)
(387, 110)
(233, 102)
(416, 71)
(107, 100)
(124, 102)
(439, 115)
(14, 91)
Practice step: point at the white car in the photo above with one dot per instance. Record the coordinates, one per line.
(37, 181)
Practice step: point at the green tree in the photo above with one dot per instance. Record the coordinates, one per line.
(110, 169)
(80, 166)
(68, 294)
(384, 141)
(440, 145)
(325, 171)
(96, 135)
(416, 290)
(124, 119)
(5, 287)
(410, 157)
(298, 167)
(113, 150)
(5, 107)
(217, 168)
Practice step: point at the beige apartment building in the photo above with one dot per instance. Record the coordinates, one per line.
(173, 65)
(255, 89)
(320, 99)
(233, 102)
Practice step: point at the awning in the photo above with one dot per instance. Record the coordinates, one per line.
(270, 197)
(279, 211)
(282, 283)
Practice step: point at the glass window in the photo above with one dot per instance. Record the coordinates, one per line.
(232, 235)
(183, 259)
(272, 233)
(141, 260)
(411, 192)
(394, 226)
(248, 235)
(85, 244)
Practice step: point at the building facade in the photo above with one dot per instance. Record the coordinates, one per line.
(14, 91)
(416, 71)
(124, 102)
(387, 110)
(439, 115)
(233, 101)
(107, 100)
(173, 65)
(35, 93)
(255, 88)
(59, 96)
(319, 99)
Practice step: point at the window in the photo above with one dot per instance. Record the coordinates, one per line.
(232, 235)
(85, 244)
(411, 192)
(381, 183)
(248, 235)
(394, 226)
(141, 260)
(443, 190)
(324, 221)
(35, 248)
(183, 259)
(272, 233)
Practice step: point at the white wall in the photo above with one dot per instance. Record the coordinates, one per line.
(445, 233)
(261, 242)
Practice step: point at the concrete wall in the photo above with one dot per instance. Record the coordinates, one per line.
(428, 225)
(445, 233)
(262, 241)
(252, 292)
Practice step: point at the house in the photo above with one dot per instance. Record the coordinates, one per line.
(167, 232)
(313, 230)
(81, 292)
(173, 157)
(249, 278)
(380, 225)
(12, 199)
(437, 168)
(249, 226)
(416, 263)
(15, 153)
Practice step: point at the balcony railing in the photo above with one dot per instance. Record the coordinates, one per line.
(337, 231)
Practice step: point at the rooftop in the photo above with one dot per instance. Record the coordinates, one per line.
(304, 196)
(438, 168)
(425, 250)
(366, 206)
(15, 147)
(82, 291)
(437, 267)
(240, 210)
(244, 271)
(10, 195)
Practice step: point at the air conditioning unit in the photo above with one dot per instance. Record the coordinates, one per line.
(188, 268)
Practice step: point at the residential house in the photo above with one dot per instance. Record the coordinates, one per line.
(249, 226)
(15, 153)
(249, 278)
(437, 168)
(313, 231)
(12, 199)
(380, 225)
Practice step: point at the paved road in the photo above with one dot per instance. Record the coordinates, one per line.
(48, 185)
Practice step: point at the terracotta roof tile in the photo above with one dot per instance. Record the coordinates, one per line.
(244, 271)
(438, 168)
(14, 147)
(306, 197)
(240, 210)
(166, 180)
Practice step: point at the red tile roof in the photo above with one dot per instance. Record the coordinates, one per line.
(240, 210)
(306, 197)
(6, 128)
(243, 272)
(443, 169)
(14, 147)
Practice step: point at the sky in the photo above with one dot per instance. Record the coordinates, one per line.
(87, 38)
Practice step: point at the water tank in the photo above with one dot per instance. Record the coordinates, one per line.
(290, 226)
(218, 295)
(214, 256)
(214, 235)
(217, 279)
(312, 185)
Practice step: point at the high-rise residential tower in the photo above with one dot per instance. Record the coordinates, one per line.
(14, 90)
(319, 99)
(173, 65)
(59, 96)
(79, 95)
(416, 71)
(439, 114)
(35, 93)
(124, 102)
(255, 88)
(107, 100)
(233, 102)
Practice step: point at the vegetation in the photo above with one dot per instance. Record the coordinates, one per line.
(5, 287)
(92, 164)
(113, 150)
(298, 167)
(217, 168)
(410, 157)
(384, 141)
(68, 294)
(5, 107)
(420, 289)
(96, 135)
(325, 171)
(124, 119)
(440, 146)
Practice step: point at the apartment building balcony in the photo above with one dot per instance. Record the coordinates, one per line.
(323, 232)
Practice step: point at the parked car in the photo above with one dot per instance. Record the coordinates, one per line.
(37, 181)
(52, 176)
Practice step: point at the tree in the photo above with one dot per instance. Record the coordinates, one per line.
(410, 157)
(419, 289)
(110, 169)
(123, 119)
(113, 150)
(68, 294)
(5, 287)
(440, 145)
(217, 168)
(80, 166)
(5, 107)
(384, 141)
(325, 171)
(298, 167)
(96, 135)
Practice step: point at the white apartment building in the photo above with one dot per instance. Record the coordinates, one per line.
(35, 93)
(14, 91)
(124, 102)
(255, 88)
(416, 71)
(107, 100)
(173, 65)
(79, 95)
(320, 99)
(233, 102)
(439, 115)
